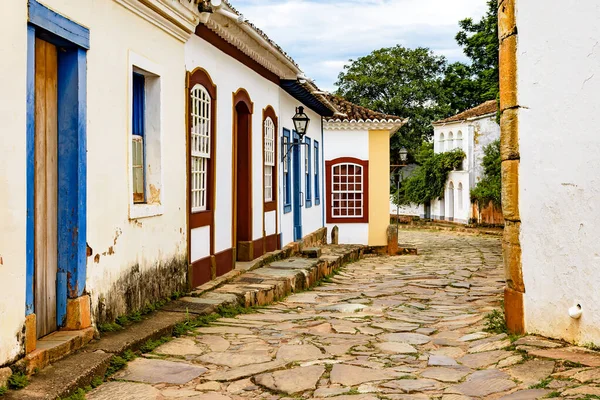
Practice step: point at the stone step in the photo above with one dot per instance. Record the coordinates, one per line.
(55, 347)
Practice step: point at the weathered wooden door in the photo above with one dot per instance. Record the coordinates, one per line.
(46, 193)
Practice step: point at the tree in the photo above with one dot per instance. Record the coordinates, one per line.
(402, 82)
(479, 41)
(489, 188)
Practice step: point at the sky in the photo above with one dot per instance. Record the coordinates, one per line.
(322, 35)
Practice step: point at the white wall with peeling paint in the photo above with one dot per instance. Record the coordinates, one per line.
(558, 62)
(13, 191)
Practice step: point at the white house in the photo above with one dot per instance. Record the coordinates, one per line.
(470, 131)
(148, 147)
(550, 69)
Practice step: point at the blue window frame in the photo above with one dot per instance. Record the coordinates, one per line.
(307, 173)
(317, 191)
(287, 166)
(138, 131)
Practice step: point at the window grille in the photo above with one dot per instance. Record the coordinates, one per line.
(269, 137)
(200, 137)
(137, 152)
(347, 191)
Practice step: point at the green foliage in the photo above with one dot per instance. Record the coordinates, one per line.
(97, 381)
(495, 322)
(553, 395)
(542, 385)
(3, 390)
(129, 355)
(150, 344)
(399, 81)
(116, 363)
(489, 188)
(78, 395)
(479, 41)
(18, 380)
(429, 180)
(109, 327)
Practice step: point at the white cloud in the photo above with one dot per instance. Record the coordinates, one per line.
(321, 35)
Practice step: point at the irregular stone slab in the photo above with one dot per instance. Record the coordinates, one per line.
(124, 390)
(530, 394)
(484, 383)
(208, 387)
(292, 381)
(245, 371)
(532, 372)
(410, 338)
(237, 359)
(590, 375)
(481, 360)
(339, 349)
(220, 330)
(474, 336)
(240, 386)
(537, 342)
(302, 298)
(304, 352)
(344, 308)
(395, 348)
(573, 354)
(174, 393)
(159, 371)
(210, 396)
(453, 352)
(439, 360)
(325, 392)
(214, 342)
(582, 390)
(489, 346)
(412, 385)
(396, 326)
(180, 347)
(349, 375)
(512, 360)
(452, 375)
(5, 373)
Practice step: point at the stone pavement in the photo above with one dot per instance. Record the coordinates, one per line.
(405, 327)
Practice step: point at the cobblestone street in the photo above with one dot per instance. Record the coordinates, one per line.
(406, 327)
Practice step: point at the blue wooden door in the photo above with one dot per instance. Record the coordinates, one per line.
(297, 188)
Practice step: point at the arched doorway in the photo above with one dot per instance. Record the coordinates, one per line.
(451, 201)
(242, 176)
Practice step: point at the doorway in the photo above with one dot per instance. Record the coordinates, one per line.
(451, 202)
(242, 196)
(46, 186)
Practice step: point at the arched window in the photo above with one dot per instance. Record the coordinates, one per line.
(200, 137)
(347, 190)
(442, 142)
(460, 196)
(202, 120)
(270, 151)
(459, 140)
(450, 141)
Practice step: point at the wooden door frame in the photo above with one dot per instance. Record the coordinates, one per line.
(241, 96)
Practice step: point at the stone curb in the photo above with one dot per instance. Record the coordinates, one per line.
(473, 231)
(277, 280)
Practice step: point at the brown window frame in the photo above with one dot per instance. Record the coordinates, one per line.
(203, 218)
(269, 112)
(329, 192)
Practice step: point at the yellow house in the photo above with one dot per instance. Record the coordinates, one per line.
(356, 148)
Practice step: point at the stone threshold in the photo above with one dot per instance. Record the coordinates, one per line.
(262, 286)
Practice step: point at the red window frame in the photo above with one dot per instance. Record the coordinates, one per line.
(329, 165)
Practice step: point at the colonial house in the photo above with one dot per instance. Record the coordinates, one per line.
(149, 146)
(549, 69)
(471, 131)
(357, 162)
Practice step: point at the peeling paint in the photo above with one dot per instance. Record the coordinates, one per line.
(154, 197)
(97, 258)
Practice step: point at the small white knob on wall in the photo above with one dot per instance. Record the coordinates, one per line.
(575, 311)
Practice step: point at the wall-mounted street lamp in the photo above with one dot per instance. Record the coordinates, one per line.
(403, 155)
(301, 122)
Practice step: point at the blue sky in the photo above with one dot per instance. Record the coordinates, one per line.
(322, 35)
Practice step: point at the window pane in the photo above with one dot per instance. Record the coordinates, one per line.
(200, 138)
(347, 195)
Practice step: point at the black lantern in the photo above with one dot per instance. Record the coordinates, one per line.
(301, 121)
(403, 155)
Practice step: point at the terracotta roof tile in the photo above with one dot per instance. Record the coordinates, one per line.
(356, 112)
(488, 107)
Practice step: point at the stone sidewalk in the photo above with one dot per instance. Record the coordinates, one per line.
(407, 327)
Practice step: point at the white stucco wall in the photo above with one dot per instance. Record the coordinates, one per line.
(12, 177)
(230, 75)
(558, 62)
(312, 217)
(417, 210)
(351, 143)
